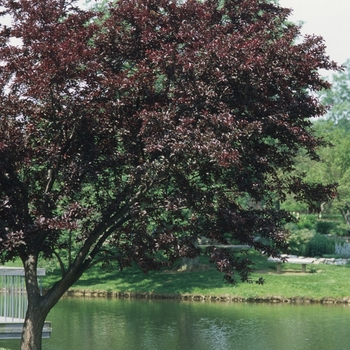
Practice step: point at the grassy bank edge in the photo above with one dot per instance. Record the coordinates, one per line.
(320, 284)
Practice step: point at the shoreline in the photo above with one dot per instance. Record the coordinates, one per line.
(85, 293)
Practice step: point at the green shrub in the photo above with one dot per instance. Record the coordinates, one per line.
(332, 227)
(307, 221)
(319, 245)
(340, 230)
(298, 240)
(325, 227)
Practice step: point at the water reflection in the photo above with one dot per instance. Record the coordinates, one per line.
(91, 324)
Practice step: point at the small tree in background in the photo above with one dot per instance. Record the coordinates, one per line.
(339, 98)
(124, 137)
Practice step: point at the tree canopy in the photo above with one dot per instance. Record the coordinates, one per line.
(126, 136)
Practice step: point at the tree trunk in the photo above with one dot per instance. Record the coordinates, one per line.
(39, 306)
(345, 212)
(33, 326)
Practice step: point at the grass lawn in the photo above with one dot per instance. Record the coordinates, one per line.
(327, 281)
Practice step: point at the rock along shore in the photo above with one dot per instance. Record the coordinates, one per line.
(204, 298)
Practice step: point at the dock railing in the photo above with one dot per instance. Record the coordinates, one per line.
(13, 298)
(14, 302)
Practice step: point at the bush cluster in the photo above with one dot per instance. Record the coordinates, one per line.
(306, 222)
(319, 245)
(309, 243)
(299, 239)
(315, 237)
(329, 225)
(325, 227)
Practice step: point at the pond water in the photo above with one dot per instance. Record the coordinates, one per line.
(122, 324)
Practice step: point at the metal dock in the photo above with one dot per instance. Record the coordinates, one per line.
(13, 302)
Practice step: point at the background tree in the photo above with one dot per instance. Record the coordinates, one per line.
(126, 137)
(338, 98)
(335, 129)
(335, 165)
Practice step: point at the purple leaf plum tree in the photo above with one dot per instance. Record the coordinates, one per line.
(126, 135)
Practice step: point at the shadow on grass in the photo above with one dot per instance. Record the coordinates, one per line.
(169, 281)
(132, 279)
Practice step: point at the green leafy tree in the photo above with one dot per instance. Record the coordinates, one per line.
(337, 130)
(335, 165)
(128, 136)
(338, 98)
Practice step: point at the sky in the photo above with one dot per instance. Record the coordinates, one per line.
(327, 18)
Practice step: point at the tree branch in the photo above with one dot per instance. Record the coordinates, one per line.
(63, 270)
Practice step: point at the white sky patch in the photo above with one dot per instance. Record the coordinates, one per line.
(326, 18)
